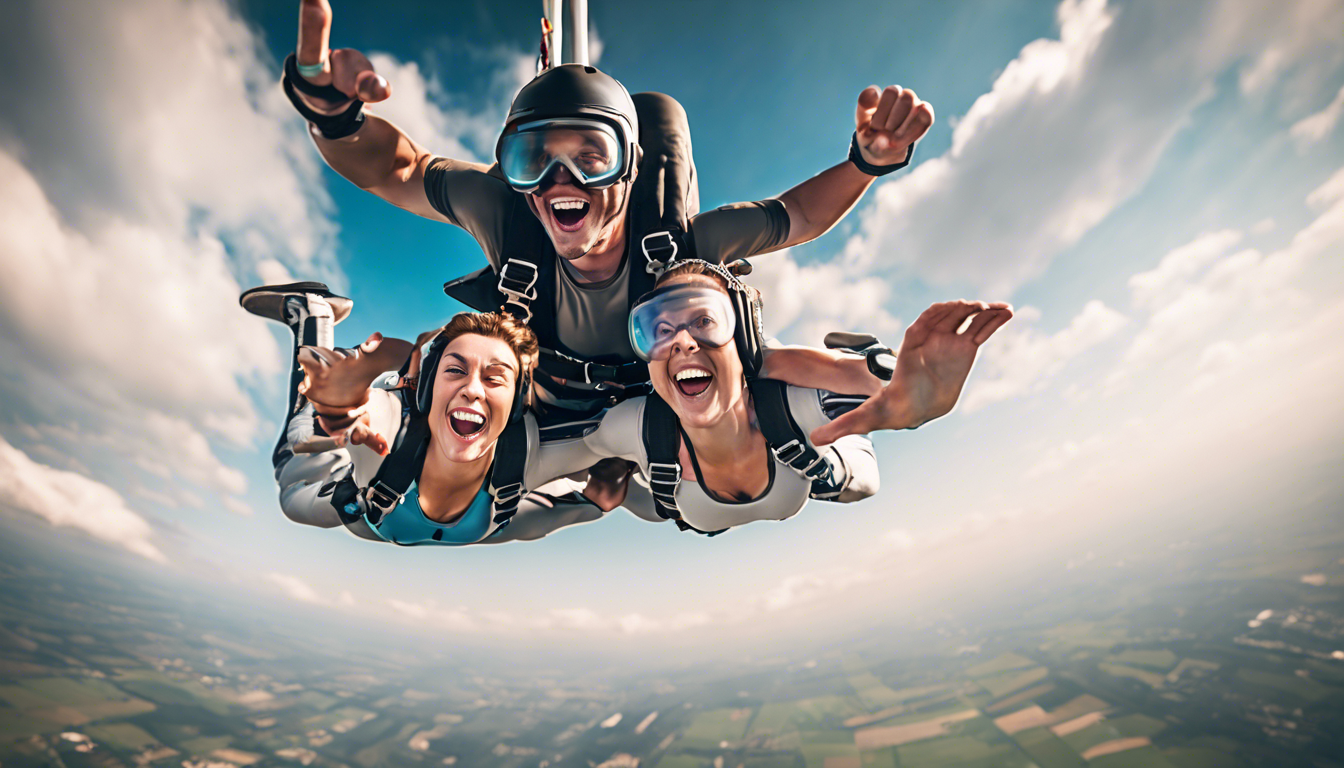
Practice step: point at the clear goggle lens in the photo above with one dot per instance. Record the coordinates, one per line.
(704, 313)
(590, 150)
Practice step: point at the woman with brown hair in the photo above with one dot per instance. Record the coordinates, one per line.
(448, 462)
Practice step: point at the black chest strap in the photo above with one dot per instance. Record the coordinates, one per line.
(788, 441)
(508, 472)
(661, 432)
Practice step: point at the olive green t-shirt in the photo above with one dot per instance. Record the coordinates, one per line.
(591, 318)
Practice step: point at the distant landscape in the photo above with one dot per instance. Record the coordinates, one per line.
(1220, 652)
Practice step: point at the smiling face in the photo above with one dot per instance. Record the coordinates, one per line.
(580, 220)
(701, 383)
(473, 394)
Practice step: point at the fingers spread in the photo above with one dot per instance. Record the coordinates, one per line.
(314, 33)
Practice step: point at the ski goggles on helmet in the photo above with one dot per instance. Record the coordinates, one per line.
(589, 149)
(658, 318)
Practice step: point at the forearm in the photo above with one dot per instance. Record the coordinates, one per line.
(820, 369)
(817, 204)
(381, 159)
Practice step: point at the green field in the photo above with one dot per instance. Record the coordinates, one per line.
(1005, 663)
(1047, 749)
(1142, 757)
(1004, 684)
(1152, 679)
(1303, 688)
(124, 736)
(710, 728)
(1161, 661)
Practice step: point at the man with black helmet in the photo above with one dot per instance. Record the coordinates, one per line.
(567, 162)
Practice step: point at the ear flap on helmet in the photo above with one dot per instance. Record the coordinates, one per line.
(750, 340)
(429, 368)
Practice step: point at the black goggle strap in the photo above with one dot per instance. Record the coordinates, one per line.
(786, 439)
(507, 474)
(518, 283)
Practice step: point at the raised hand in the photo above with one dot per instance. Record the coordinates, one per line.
(888, 122)
(347, 69)
(931, 368)
(337, 379)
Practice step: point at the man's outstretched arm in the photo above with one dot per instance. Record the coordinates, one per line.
(377, 157)
(886, 125)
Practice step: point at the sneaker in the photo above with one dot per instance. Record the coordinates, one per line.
(272, 301)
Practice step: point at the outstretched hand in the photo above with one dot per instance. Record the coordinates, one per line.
(931, 368)
(888, 122)
(349, 70)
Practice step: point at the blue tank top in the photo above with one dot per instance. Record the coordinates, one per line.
(407, 524)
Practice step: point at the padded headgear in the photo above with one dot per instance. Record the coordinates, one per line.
(578, 90)
(747, 333)
(429, 369)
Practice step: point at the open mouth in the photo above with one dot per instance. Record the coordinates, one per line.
(569, 213)
(466, 423)
(693, 381)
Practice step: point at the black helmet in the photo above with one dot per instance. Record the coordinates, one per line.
(577, 90)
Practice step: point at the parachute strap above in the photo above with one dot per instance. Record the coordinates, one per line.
(787, 440)
(507, 473)
(663, 247)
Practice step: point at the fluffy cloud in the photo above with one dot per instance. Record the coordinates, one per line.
(1021, 359)
(805, 302)
(1073, 127)
(69, 499)
(1312, 129)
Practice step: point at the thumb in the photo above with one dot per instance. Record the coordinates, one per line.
(856, 422)
(372, 343)
(863, 112)
(372, 87)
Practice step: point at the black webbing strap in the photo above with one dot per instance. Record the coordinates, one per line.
(335, 126)
(563, 366)
(661, 430)
(393, 478)
(507, 473)
(787, 440)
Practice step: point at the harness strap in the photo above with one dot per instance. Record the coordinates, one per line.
(786, 439)
(507, 474)
(566, 367)
(661, 431)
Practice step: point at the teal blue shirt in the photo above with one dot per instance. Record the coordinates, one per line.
(407, 524)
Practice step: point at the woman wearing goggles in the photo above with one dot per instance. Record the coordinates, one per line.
(688, 331)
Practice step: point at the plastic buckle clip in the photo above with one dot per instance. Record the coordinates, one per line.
(790, 451)
(521, 291)
(667, 474)
(656, 264)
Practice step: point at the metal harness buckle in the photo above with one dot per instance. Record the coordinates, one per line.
(790, 451)
(667, 474)
(520, 292)
(381, 499)
(507, 493)
(656, 265)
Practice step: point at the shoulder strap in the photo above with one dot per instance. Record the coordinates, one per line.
(666, 193)
(507, 473)
(394, 476)
(787, 440)
(660, 431)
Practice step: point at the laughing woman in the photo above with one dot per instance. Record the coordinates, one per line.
(449, 462)
(751, 449)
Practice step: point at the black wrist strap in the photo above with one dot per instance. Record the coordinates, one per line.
(856, 157)
(336, 126)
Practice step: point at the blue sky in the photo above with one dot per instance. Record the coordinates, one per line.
(1159, 190)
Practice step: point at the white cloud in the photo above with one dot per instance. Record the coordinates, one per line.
(238, 507)
(1311, 130)
(1022, 360)
(1177, 267)
(68, 499)
(802, 303)
(1072, 128)
(295, 588)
